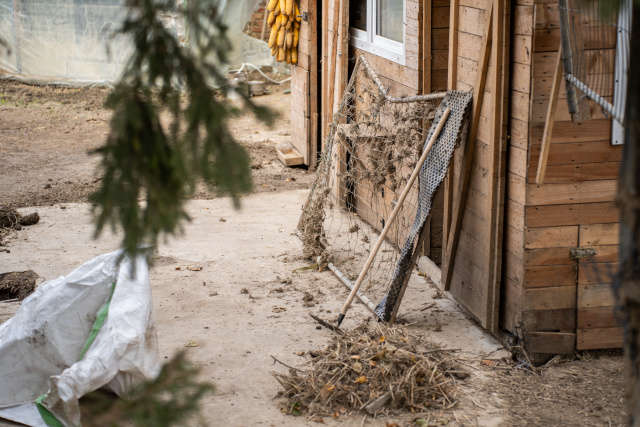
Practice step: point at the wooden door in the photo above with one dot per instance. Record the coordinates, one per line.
(597, 322)
(304, 81)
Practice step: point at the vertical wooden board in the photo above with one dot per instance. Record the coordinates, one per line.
(510, 302)
(300, 130)
(588, 339)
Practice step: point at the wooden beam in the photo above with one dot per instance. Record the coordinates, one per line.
(498, 163)
(548, 125)
(463, 184)
(333, 60)
(425, 62)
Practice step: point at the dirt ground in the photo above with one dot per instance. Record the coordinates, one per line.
(250, 261)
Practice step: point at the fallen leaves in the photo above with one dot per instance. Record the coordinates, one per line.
(278, 309)
(191, 344)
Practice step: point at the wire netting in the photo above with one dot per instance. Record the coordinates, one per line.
(595, 51)
(372, 147)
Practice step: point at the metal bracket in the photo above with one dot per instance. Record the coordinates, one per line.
(304, 16)
(582, 253)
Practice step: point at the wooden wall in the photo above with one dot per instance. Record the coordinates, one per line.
(557, 303)
(472, 270)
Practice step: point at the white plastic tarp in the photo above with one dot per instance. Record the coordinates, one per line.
(93, 328)
(71, 42)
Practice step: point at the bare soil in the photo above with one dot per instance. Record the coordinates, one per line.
(46, 135)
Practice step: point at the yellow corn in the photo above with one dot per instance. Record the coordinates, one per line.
(296, 24)
(281, 36)
(283, 7)
(294, 56)
(272, 4)
(271, 19)
(287, 56)
(296, 37)
(281, 55)
(289, 39)
(274, 50)
(273, 37)
(289, 4)
(276, 10)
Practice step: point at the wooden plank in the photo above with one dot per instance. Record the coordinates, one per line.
(453, 42)
(591, 130)
(300, 99)
(558, 174)
(579, 192)
(519, 130)
(545, 276)
(598, 317)
(550, 320)
(551, 342)
(600, 234)
(548, 256)
(522, 49)
(497, 139)
(333, 58)
(539, 108)
(594, 60)
(596, 273)
(516, 188)
(548, 40)
(461, 194)
(575, 214)
(523, 20)
(551, 237)
(552, 298)
(588, 339)
(510, 303)
(579, 152)
(548, 126)
(596, 295)
(606, 253)
(426, 65)
(471, 20)
(521, 78)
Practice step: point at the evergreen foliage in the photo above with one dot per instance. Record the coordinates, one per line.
(159, 162)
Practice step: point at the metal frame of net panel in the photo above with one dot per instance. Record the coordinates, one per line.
(372, 147)
(595, 53)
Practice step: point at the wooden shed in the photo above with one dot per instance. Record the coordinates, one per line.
(531, 261)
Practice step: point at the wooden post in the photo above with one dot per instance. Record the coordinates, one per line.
(333, 60)
(548, 125)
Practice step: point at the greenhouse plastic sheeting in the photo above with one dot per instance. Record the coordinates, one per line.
(93, 328)
(72, 42)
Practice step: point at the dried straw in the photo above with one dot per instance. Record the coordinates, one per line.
(361, 368)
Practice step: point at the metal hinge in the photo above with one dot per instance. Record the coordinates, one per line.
(583, 253)
(304, 16)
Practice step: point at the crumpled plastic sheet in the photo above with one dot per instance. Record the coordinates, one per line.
(40, 347)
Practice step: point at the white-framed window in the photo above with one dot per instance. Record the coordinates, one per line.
(377, 26)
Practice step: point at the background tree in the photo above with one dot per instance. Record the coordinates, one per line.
(628, 288)
(156, 162)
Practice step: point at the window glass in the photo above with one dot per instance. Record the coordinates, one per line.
(358, 14)
(389, 19)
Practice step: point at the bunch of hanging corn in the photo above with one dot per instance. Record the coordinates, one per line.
(284, 20)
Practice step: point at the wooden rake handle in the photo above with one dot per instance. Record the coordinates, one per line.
(393, 215)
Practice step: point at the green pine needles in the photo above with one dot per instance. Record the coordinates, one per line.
(150, 165)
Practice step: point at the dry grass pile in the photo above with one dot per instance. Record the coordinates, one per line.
(10, 219)
(17, 285)
(376, 369)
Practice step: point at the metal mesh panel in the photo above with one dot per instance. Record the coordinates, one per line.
(595, 53)
(372, 148)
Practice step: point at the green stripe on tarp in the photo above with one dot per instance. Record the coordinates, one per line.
(47, 416)
(97, 324)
